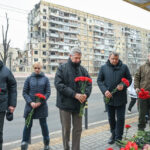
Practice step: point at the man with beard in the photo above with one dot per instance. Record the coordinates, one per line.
(69, 98)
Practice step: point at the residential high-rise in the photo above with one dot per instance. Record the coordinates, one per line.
(53, 30)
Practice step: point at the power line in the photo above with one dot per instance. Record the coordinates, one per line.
(14, 11)
(14, 8)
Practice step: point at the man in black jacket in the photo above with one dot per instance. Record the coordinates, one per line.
(69, 98)
(8, 95)
(109, 77)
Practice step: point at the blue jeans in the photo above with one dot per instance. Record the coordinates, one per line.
(116, 116)
(44, 128)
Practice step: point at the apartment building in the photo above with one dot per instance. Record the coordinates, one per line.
(53, 30)
(17, 60)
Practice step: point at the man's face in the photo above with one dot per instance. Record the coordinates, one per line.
(114, 59)
(76, 58)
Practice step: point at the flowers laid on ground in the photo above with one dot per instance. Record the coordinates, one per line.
(140, 141)
(109, 148)
(143, 94)
(38, 98)
(83, 82)
(127, 126)
(123, 82)
(146, 147)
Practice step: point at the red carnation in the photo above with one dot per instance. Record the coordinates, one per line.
(143, 94)
(131, 145)
(83, 84)
(127, 126)
(41, 96)
(81, 78)
(109, 148)
(125, 81)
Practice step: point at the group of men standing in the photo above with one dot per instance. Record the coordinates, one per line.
(69, 96)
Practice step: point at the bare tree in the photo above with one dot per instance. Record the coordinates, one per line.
(6, 44)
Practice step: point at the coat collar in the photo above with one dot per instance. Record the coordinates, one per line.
(117, 67)
(37, 75)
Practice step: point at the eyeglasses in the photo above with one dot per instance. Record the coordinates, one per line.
(37, 68)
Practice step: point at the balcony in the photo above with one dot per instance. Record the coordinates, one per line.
(63, 43)
(64, 30)
(58, 57)
(99, 46)
(98, 30)
(53, 35)
(98, 36)
(54, 64)
(63, 23)
(63, 17)
(71, 38)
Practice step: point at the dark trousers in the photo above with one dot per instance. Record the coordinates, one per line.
(65, 118)
(144, 108)
(2, 116)
(132, 102)
(44, 128)
(116, 116)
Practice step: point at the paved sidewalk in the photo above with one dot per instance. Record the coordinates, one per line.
(95, 138)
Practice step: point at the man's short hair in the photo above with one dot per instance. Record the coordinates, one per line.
(75, 50)
(114, 53)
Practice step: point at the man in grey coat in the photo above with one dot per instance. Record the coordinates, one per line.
(8, 95)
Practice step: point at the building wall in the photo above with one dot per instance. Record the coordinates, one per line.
(53, 30)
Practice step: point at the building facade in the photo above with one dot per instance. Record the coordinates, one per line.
(53, 30)
(17, 60)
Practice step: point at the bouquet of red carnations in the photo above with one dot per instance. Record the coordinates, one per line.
(123, 82)
(38, 98)
(83, 81)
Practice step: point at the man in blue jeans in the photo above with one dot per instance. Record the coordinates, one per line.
(109, 77)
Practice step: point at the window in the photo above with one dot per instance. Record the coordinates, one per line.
(43, 34)
(53, 68)
(44, 45)
(44, 10)
(44, 24)
(44, 60)
(36, 52)
(44, 53)
(84, 19)
(44, 67)
(44, 17)
(78, 18)
(35, 59)
(102, 57)
(90, 28)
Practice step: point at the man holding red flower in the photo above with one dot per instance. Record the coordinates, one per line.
(113, 79)
(142, 80)
(70, 97)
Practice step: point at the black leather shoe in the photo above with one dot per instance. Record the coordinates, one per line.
(111, 140)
